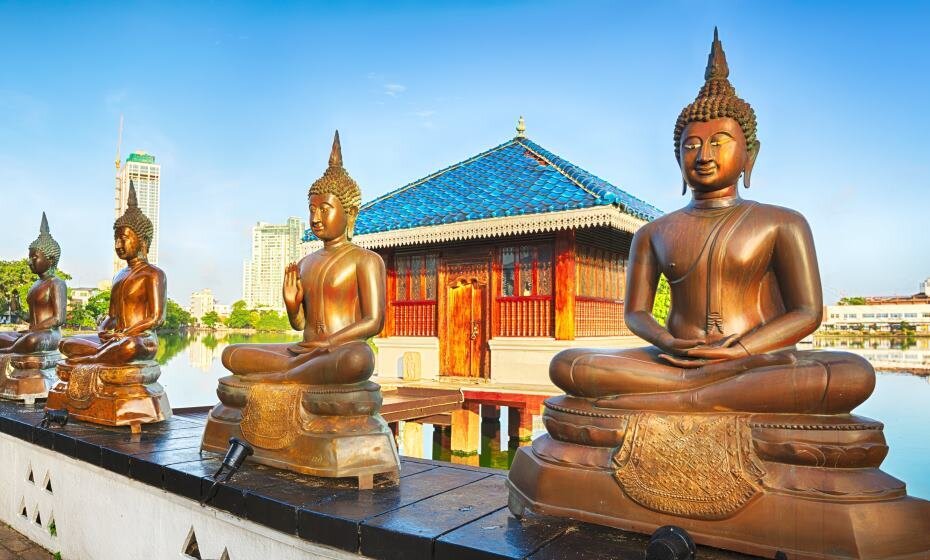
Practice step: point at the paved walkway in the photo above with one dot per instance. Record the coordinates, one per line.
(14, 546)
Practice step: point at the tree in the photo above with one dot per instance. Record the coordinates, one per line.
(663, 301)
(856, 300)
(210, 319)
(98, 306)
(15, 275)
(240, 317)
(80, 318)
(272, 321)
(176, 316)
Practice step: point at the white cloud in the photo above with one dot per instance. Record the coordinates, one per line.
(394, 89)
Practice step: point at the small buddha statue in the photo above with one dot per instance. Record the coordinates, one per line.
(111, 377)
(721, 426)
(305, 405)
(33, 352)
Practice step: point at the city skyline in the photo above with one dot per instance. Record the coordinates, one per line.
(245, 102)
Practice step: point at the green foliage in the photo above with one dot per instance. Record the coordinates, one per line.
(272, 321)
(88, 316)
(80, 318)
(176, 316)
(15, 275)
(240, 318)
(210, 319)
(56, 556)
(210, 341)
(53, 529)
(663, 301)
(857, 300)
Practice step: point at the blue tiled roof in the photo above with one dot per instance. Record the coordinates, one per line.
(517, 177)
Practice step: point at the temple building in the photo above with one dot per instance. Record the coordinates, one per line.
(496, 263)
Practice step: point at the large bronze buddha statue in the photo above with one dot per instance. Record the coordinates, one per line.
(112, 377)
(27, 358)
(722, 426)
(310, 406)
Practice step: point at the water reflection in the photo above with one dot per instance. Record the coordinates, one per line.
(882, 351)
(489, 437)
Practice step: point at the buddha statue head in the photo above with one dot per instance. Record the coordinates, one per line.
(334, 199)
(44, 252)
(715, 135)
(133, 231)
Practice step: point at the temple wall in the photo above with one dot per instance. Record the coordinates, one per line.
(526, 360)
(423, 357)
(102, 515)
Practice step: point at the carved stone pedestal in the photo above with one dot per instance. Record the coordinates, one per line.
(321, 430)
(113, 395)
(27, 377)
(805, 485)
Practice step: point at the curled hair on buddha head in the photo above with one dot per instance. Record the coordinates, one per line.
(336, 181)
(46, 243)
(717, 99)
(134, 219)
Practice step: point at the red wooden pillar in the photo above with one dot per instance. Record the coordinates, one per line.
(495, 290)
(391, 295)
(564, 284)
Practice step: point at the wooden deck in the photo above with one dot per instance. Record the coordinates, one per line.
(439, 510)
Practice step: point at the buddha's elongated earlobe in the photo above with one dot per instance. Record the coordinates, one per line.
(747, 171)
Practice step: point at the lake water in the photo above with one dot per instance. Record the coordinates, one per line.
(191, 366)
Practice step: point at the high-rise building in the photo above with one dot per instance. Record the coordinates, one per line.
(273, 248)
(202, 302)
(145, 174)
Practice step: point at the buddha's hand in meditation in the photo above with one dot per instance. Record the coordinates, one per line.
(702, 354)
(312, 347)
(293, 290)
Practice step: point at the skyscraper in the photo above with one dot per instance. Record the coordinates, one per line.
(145, 174)
(273, 248)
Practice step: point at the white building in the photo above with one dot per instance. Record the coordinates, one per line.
(81, 296)
(884, 313)
(273, 248)
(202, 302)
(145, 174)
(222, 309)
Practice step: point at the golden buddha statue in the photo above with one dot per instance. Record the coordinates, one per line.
(111, 377)
(722, 426)
(29, 356)
(310, 406)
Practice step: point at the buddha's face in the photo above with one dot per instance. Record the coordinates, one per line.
(713, 154)
(126, 243)
(328, 219)
(38, 262)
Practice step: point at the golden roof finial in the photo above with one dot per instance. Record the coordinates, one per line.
(521, 128)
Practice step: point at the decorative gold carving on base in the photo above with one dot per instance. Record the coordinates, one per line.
(697, 466)
(111, 395)
(269, 418)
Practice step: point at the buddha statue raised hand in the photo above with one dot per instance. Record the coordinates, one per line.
(722, 427)
(292, 400)
(33, 353)
(111, 377)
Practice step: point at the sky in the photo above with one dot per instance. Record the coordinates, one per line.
(238, 102)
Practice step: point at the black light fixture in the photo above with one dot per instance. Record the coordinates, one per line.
(54, 417)
(670, 543)
(236, 454)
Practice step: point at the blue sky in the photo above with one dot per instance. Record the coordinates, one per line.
(238, 102)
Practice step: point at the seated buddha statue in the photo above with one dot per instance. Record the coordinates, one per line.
(289, 392)
(36, 349)
(111, 377)
(745, 288)
(722, 427)
(47, 300)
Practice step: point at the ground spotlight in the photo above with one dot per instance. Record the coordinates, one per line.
(236, 454)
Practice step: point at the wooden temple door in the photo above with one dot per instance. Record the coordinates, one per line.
(464, 340)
